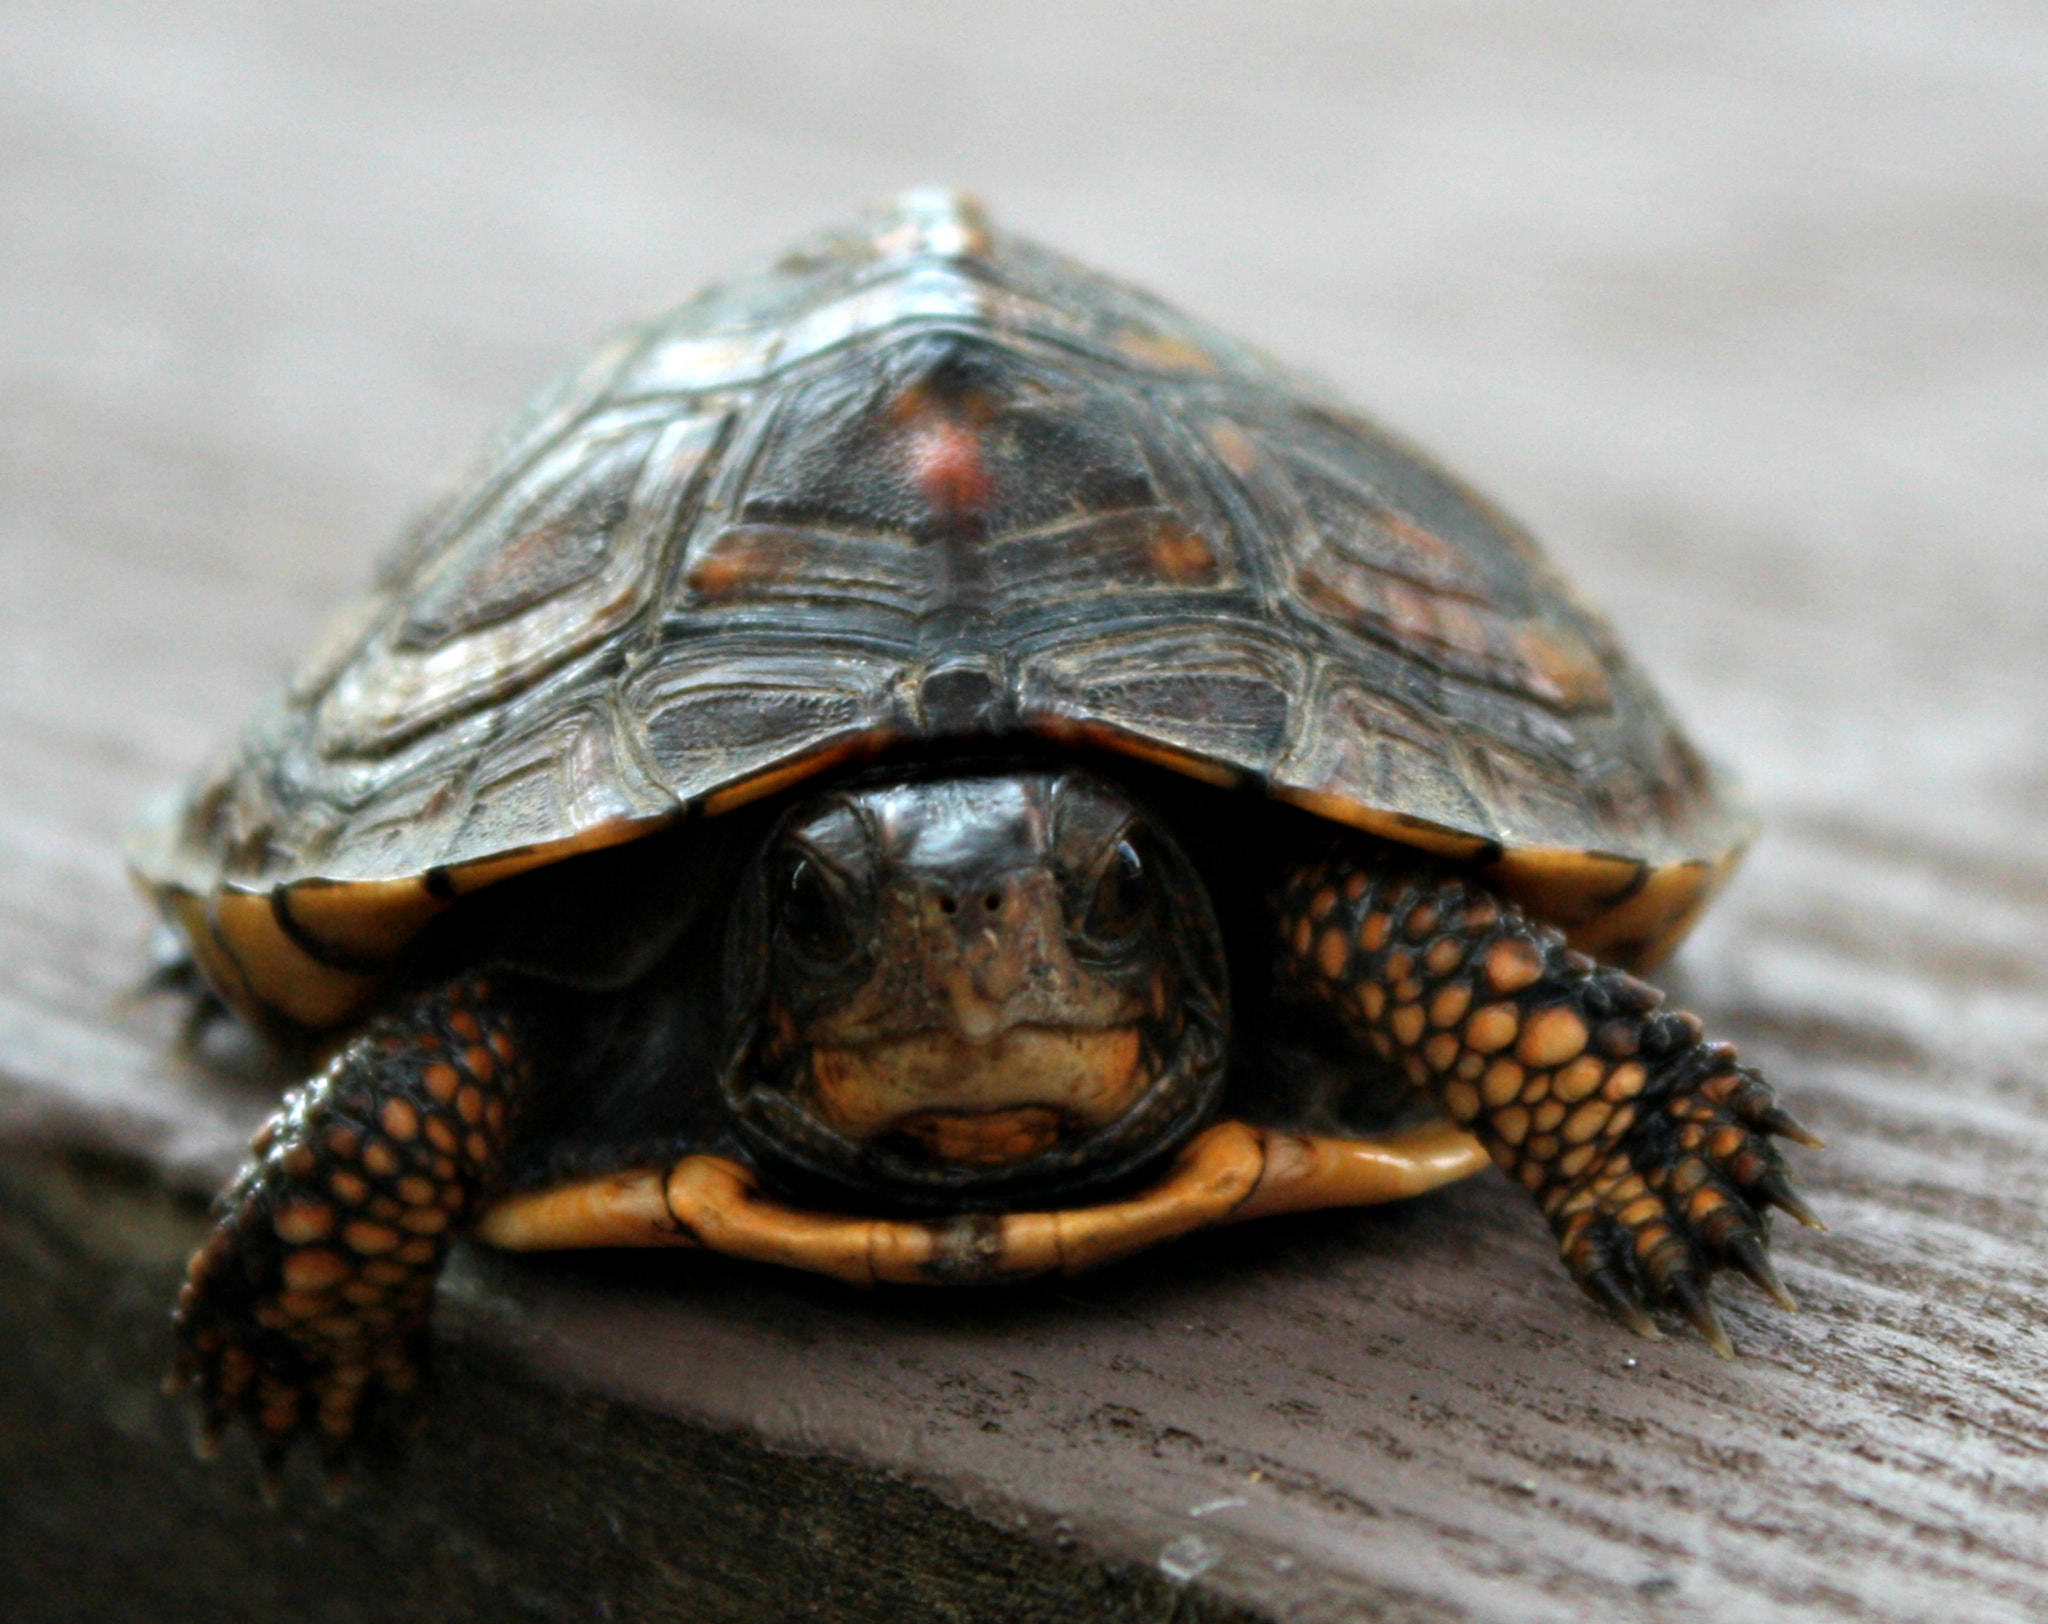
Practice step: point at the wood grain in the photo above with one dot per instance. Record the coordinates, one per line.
(1745, 310)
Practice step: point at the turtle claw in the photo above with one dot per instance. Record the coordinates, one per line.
(1777, 1189)
(1691, 1300)
(1785, 1125)
(1609, 1288)
(1746, 1253)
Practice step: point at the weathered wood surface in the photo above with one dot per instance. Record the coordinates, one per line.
(1746, 309)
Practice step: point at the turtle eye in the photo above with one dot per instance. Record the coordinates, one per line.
(814, 919)
(1123, 896)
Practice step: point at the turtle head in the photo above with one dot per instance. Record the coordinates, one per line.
(973, 988)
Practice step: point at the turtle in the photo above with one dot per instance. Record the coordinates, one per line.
(926, 765)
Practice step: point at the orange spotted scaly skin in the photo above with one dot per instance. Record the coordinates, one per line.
(1647, 1147)
(311, 1297)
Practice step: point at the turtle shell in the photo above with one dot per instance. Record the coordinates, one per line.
(917, 481)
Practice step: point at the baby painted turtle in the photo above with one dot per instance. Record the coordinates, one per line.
(926, 765)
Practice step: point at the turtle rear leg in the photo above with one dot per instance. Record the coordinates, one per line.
(1649, 1149)
(308, 1304)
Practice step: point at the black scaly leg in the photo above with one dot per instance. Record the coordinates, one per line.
(309, 1301)
(1648, 1148)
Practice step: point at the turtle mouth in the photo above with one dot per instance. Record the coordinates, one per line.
(936, 1087)
(937, 1120)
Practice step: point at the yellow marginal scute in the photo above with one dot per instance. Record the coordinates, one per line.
(361, 924)
(280, 976)
(1395, 826)
(1626, 912)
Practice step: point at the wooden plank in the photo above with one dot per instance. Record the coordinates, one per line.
(1746, 311)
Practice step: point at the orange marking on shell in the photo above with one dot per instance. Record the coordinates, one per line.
(380, 1158)
(1462, 1101)
(469, 1105)
(424, 1220)
(416, 1189)
(1181, 555)
(420, 1250)
(1448, 1007)
(736, 561)
(502, 1045)
(1332, 954)
(1372, 935)
(465, 1026)
(1441, 1051)
(947, 463)
(442, 1081)
(444, 1139)
(383, 1272)
(1407, 1022)
(477, 1148)
(344, 1142)
(481, 1066)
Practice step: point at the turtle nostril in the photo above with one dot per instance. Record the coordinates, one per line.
(949, 905)
(993, 902)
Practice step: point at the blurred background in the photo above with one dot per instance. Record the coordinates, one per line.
(1743, 308)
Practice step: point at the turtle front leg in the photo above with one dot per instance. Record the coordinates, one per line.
(309, 1302)
(1649, 1149)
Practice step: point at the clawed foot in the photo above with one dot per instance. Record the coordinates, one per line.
(1684, 1196)
(309, 1354)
